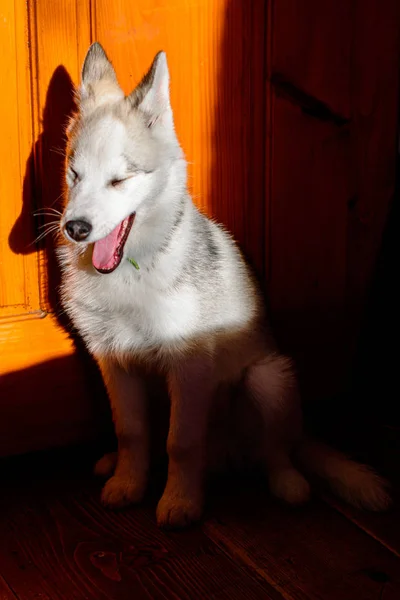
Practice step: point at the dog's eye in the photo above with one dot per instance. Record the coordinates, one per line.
(117, 182)
(73, 175)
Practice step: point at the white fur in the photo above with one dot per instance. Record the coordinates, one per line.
(105, 307)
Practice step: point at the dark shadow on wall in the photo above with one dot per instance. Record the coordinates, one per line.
(43, 188)
(43, 193)
(62, 401)
(375, 382)
(53, 403)
(368, 412)
(237, 194)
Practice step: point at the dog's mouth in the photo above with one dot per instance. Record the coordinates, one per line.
(108, 252)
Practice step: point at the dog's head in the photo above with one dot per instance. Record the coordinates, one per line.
(119, 155)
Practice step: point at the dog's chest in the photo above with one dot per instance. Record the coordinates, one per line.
(122, 315)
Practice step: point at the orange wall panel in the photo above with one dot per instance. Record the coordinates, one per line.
(18, 263)
(60, 36)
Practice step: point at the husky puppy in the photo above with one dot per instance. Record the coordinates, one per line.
(152, 284)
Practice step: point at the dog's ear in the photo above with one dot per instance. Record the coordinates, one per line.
(151, 96)
(99, 81)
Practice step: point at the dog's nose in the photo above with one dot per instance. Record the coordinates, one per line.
(78, 230)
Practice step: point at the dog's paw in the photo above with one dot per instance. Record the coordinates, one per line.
(105, 467)
(290, 486)
(176, 509)
(119, 492)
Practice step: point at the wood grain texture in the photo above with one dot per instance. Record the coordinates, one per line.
(50, 392)
(307, 554)
(308, 184)
(46, 341)
(5, 592)
(374, 137)
(59, 543)
(44, 398)
(378, 445)
(309, 192)
(332, 105)
(19, 291)
(384, 528)
(312, 45)
(59, 34)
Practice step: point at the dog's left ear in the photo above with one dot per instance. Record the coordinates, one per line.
(99, 81)
(151, 96)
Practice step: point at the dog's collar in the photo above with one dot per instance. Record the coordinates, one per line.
(134, 263)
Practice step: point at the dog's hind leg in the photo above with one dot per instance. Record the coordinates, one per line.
(105, 466)
(272, 387)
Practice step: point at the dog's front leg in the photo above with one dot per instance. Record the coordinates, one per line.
(191, 388)
(128, 403)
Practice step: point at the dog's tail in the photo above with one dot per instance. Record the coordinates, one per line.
(355, 483)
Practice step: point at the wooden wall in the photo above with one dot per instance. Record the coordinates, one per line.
(287, 112)
(333, 121)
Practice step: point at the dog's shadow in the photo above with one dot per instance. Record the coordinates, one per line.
(42, 187)
(43, 193)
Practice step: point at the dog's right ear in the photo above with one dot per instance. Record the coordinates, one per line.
(152, 97)
(99, 82)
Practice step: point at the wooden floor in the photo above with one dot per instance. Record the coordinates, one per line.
(58, 542)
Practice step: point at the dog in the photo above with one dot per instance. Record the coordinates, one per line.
(153, 285)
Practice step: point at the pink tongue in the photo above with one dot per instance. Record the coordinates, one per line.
(104, 251)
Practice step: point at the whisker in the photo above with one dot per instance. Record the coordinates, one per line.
(51, 207)
(58, 197)
(58, 151)
(48, 215)
(49, 223)
(40, 238)
(40, 211)
(56, 233)
(49, 229)
(44, 233)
